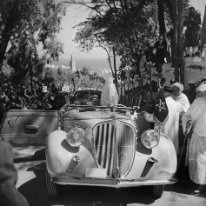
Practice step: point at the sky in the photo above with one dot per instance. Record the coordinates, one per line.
(199, 5)
(76, 14)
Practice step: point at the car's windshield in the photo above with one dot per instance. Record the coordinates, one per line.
(81, 95)
(94, 94)
(86, 97)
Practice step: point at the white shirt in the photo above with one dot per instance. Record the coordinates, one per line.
(109, 96)
(183, 101)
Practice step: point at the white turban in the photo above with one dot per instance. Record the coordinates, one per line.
(178, 85)
(201, 88)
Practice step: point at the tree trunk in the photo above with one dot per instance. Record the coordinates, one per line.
(162, 29)
(171, 7)
(180, 40)
(175, 63)
(179, 62)
(115, 66)
(176, 11)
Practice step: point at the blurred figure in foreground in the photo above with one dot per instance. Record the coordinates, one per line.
(9, 195)
(109, 96)
(195, 117)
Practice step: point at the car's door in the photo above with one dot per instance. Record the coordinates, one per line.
(28, 127)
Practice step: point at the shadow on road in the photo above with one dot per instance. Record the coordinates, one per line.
(87, 196)
(184, 185)
(35, 192)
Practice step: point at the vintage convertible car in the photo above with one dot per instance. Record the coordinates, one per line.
(108, 147)
(94, 145)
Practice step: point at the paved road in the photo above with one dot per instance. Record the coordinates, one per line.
(31, 182)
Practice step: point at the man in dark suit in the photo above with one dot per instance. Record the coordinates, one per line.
(9, 195)
(192, 23)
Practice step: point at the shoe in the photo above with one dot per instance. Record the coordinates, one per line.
(187, 55)
(198, 190)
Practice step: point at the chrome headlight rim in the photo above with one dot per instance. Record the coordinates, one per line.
(150, 138)
(75, 137)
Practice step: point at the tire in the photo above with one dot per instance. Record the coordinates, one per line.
(157, 191)
(52, 188)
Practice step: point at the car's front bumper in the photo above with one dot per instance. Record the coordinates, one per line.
(114, 183)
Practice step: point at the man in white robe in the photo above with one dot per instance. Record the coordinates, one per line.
(180, 97)
(109, 96)
(196, 116)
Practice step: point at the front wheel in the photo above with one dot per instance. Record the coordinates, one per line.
(52, 188)
(157, 191)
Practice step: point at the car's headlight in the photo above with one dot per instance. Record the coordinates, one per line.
(150, 138)
(75, 137)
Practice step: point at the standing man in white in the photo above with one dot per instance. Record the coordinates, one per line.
(180, 97)
(109, 96)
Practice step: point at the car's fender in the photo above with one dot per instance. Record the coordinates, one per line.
(164, 160)
(62, 158)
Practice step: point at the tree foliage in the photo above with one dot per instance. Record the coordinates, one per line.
(24, 25)
(120, 24)
(126, 25)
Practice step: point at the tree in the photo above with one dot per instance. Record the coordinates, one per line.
(125, 26)
(29, 23)
(177, 14)
(120, 26)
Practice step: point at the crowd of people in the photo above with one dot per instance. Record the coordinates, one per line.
(186, 118)
(180, 118)
(186, 107)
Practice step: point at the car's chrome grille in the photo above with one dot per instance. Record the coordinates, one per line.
(105, 143)
(126, 147)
